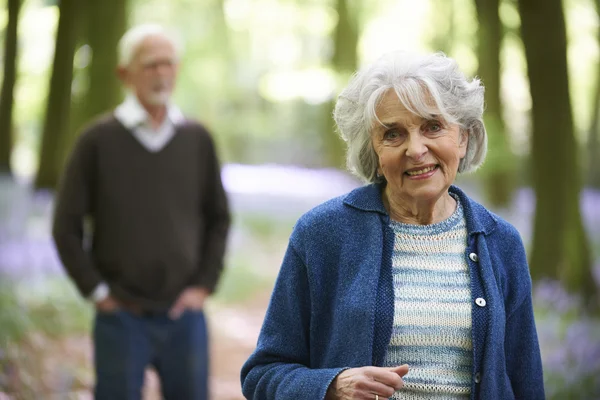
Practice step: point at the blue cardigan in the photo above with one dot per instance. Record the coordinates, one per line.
(333, 303)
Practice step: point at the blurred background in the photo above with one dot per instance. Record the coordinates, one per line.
(263, 76)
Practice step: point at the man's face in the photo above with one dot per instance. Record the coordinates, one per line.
(152, 72)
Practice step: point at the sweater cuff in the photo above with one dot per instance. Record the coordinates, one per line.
(100, 293)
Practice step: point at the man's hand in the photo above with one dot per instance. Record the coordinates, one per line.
(191, 298)
(108, 304)
(367, 383)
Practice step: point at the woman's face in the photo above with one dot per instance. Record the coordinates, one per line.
(419, 158)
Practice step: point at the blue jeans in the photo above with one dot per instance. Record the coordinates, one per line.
(125, 344)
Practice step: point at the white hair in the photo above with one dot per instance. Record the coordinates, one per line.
(134, 37)
(427, 85)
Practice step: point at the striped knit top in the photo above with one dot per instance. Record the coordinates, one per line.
(432, 314)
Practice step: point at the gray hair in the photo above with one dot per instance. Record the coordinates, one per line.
(427, 85)
(133, 38)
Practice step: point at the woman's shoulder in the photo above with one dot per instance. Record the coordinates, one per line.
(481, 219)
(339, 213)
(324, 213)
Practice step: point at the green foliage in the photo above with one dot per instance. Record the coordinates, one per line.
(262, 228)
(50, 306)
(265, 228)
(232, 47)
(37, 320)
(254, 262)
(241, 281)
(14, 320)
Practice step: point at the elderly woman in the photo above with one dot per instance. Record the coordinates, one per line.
(404, 288)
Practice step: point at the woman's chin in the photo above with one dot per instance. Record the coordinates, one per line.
(425, 191)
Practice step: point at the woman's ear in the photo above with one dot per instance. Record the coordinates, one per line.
(463, 141)
(464, 137)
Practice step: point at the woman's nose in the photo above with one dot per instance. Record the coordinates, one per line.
(415, 146)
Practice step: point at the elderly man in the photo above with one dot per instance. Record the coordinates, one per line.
(150, 181)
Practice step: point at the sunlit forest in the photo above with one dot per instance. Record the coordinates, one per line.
(263, 76)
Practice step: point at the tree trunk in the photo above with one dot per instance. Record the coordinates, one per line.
(560, 245)
(499, 169)
(8, 85)
(344, 62)
(593, 144)
(56, 123)
(106, 23)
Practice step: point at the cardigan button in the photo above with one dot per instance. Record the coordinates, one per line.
(480, 301)
(474, 257)
(478, 377)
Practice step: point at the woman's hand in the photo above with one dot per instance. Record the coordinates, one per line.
(367, 383)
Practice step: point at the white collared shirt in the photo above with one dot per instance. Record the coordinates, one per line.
(135, 118)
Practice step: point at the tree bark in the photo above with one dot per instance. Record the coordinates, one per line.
(8, 85)
(106, 23)
(560, 245)
(499, 169)
(56, 123)
(344, 62)
(593, 145)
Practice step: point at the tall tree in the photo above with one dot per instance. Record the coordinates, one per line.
(560, 245)
(344, 62)
(104, 89)
(8, 85)
(499, 171)
(107, 21)
(56, 123)
(593, 164)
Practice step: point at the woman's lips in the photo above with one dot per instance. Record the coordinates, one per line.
(422, 173)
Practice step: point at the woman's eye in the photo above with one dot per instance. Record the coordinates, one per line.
(435, 127)
(391, 134)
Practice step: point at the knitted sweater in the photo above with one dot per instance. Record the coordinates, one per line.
(160, 220)
(432, 313)
(332, 306)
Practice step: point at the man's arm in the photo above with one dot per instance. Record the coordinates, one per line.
(74, 201)
(215, 211)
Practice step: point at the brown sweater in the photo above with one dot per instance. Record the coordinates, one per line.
(159, 220)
